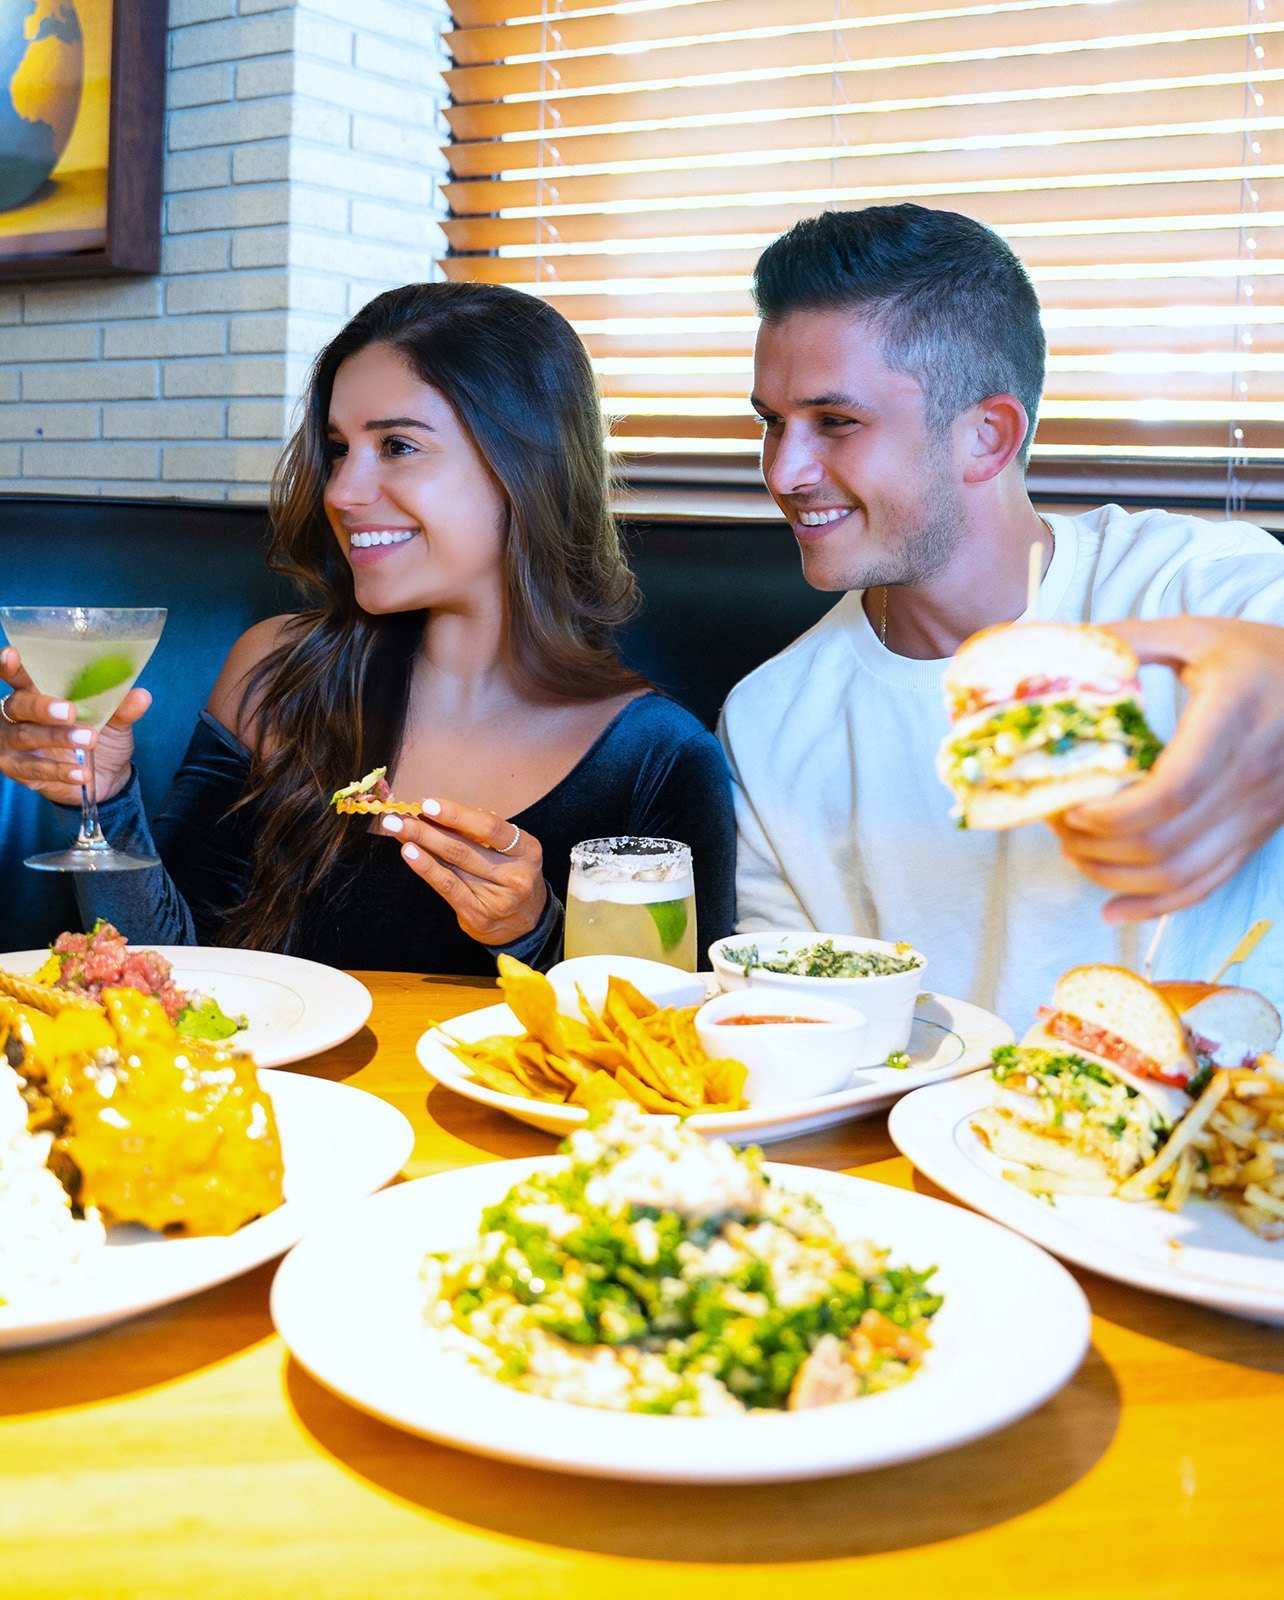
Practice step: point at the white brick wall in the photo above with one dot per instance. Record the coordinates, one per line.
(303, 149)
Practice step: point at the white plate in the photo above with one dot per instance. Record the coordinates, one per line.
(349, 1303)
(339, 1145)
(295, 1008)
(949, 1037)
(1199, 1253)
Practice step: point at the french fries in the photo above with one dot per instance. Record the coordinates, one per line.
(631, 1050)
(1229, 1146)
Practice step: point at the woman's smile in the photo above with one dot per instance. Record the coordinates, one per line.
(367, 545)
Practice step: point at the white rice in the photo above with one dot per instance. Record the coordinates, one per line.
(41, 1243)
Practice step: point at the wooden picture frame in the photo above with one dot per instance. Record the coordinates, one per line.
(111, 225)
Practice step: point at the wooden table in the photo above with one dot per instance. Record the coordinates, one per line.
(184, 1454)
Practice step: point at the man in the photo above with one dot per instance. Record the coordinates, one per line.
(898, 373)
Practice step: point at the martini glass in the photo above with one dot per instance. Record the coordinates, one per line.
(89, 655)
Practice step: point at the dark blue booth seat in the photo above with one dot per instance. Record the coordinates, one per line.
(720, 598)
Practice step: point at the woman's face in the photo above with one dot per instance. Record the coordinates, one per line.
(414, 506)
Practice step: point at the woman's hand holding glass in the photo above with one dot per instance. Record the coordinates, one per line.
(40, 740)
(485, 868)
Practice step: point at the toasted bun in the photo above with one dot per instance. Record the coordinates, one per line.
(999, 658)
(997, 807)
(1225, 1013)
(1181, 993)
(1132, 1009)
(1011, 1142)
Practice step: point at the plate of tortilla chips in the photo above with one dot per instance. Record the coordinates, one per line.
(549, 1068)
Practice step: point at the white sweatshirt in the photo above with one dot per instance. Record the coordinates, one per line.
(844, 827)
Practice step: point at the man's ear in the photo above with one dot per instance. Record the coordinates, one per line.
(990, 435)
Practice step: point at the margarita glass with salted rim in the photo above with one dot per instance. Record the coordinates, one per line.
(90, 656)
(630, 896)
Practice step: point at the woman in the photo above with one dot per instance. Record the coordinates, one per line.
(446, 499)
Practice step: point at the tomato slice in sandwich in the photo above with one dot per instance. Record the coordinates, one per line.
(1110, 1047)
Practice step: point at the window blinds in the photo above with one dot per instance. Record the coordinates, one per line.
(629, 161)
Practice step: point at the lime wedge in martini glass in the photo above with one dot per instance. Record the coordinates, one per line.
(90, 655)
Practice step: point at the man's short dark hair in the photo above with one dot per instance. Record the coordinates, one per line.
(952, 305)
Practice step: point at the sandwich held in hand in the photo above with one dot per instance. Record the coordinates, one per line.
(1045, 716)
(371, 796)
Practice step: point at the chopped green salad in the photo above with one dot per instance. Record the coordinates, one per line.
(822, 960)
(660, 1272)
(1052, 728)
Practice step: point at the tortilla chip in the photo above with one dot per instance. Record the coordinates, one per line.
(724, 1083)
(532, 999)
(495, 1077)
(542, 1068)
(33, 991)
(634, 1000)
(599, 1089)
(646, 1096)
(654, 1062)
(631, 1049)
(686, 1041)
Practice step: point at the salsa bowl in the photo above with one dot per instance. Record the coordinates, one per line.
(887, 999)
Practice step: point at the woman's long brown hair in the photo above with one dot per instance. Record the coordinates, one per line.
(330, 701)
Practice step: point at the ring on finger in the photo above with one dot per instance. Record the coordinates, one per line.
(512, 843)
(13, 721)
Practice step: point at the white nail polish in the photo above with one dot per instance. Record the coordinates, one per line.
(409, 852)
(62, 709)
(431, 808)
(82, 735)
(392, 824)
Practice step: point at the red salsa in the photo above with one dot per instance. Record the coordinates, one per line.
(737, 1022)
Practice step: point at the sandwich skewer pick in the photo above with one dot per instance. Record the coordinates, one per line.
(1244, 948)
(1161, 928)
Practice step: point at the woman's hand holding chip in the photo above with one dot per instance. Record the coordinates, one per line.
(488, 870)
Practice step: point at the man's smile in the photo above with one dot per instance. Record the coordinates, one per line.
(819, 519)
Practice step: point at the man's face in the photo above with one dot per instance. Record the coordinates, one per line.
(869, 489)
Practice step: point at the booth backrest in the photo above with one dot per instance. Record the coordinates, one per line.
(718, 600)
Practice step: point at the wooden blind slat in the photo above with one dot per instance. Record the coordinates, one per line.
(583, 27)
(997, 158)
(779, 97)
(1188, 82)
(749, 60)
(630, 162)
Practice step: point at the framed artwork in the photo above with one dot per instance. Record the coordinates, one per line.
(82, 111)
